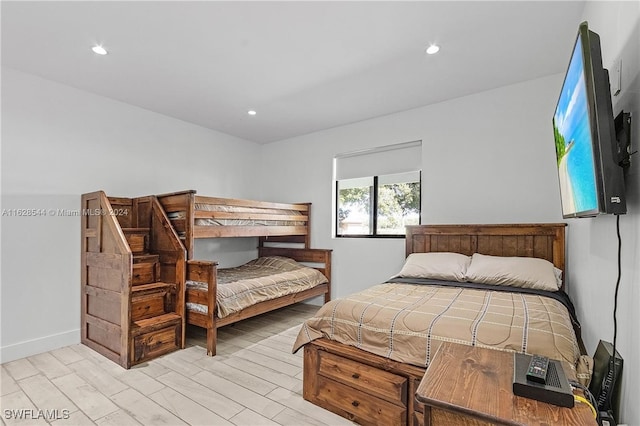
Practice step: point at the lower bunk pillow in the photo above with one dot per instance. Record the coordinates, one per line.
(407, 322)
(259, 280)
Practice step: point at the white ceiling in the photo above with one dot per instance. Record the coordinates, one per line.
(303, 66)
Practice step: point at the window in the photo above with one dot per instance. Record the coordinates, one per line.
(370, 204)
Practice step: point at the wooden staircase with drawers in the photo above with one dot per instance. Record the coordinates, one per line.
(133, 273)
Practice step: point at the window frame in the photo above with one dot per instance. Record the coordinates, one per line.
(373, 218)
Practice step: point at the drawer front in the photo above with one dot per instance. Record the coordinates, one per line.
(359, 406)
(144, 273)
(155, 343)
(136, 242)
(371, 380)
(149, 305)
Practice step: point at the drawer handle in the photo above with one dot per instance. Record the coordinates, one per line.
(355, 375)
(355, 403)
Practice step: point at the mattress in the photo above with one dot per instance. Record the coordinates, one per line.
(243, 211)
(408, 322)
(262, 279)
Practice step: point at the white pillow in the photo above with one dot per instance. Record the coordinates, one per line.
(558, 273)
(436, 265)
(525, 272)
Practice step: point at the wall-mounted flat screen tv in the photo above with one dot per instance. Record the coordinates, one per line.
(591, 180)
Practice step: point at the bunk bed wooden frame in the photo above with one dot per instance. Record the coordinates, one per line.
(374, 381)
(193, 207)
(290, 231)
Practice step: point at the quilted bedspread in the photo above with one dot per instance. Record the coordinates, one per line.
(261, 279)
(408, 322)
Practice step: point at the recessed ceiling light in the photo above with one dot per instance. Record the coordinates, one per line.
(434, 48)
(99, 50)
(251, 112)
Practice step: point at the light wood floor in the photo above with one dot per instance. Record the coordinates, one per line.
(254, 380)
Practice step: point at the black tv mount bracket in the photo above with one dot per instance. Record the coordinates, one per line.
(623, 135)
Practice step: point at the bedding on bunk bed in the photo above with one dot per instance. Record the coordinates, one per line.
(258, 220)
(262, 279)
(407, 318)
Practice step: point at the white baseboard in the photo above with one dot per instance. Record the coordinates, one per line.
(43, 344)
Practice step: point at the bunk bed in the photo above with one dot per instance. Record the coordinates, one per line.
(293, 271)
(365, 354)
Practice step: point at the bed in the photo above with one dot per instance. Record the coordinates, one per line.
(287, 270)
(365, 354)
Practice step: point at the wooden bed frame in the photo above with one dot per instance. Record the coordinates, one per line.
(295, 233)
(370, 389)
(195, 206)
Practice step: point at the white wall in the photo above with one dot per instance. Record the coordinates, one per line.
(593, 242)
(487, 158)
(59, 142)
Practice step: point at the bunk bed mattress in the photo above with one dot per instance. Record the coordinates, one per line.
(214, 221)
(262, 279)
(407, 322)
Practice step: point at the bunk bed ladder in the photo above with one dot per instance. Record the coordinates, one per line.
(133, 268)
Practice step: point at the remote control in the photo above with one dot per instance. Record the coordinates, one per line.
(537, 371)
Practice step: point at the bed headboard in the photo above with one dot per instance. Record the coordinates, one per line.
(543, 240)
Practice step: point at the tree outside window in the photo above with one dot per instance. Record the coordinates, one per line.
(378, 205)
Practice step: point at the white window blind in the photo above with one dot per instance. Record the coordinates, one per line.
(384, 160)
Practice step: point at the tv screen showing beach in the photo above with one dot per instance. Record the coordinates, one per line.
(574, 148)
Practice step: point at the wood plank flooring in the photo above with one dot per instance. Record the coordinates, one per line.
(254, 380)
